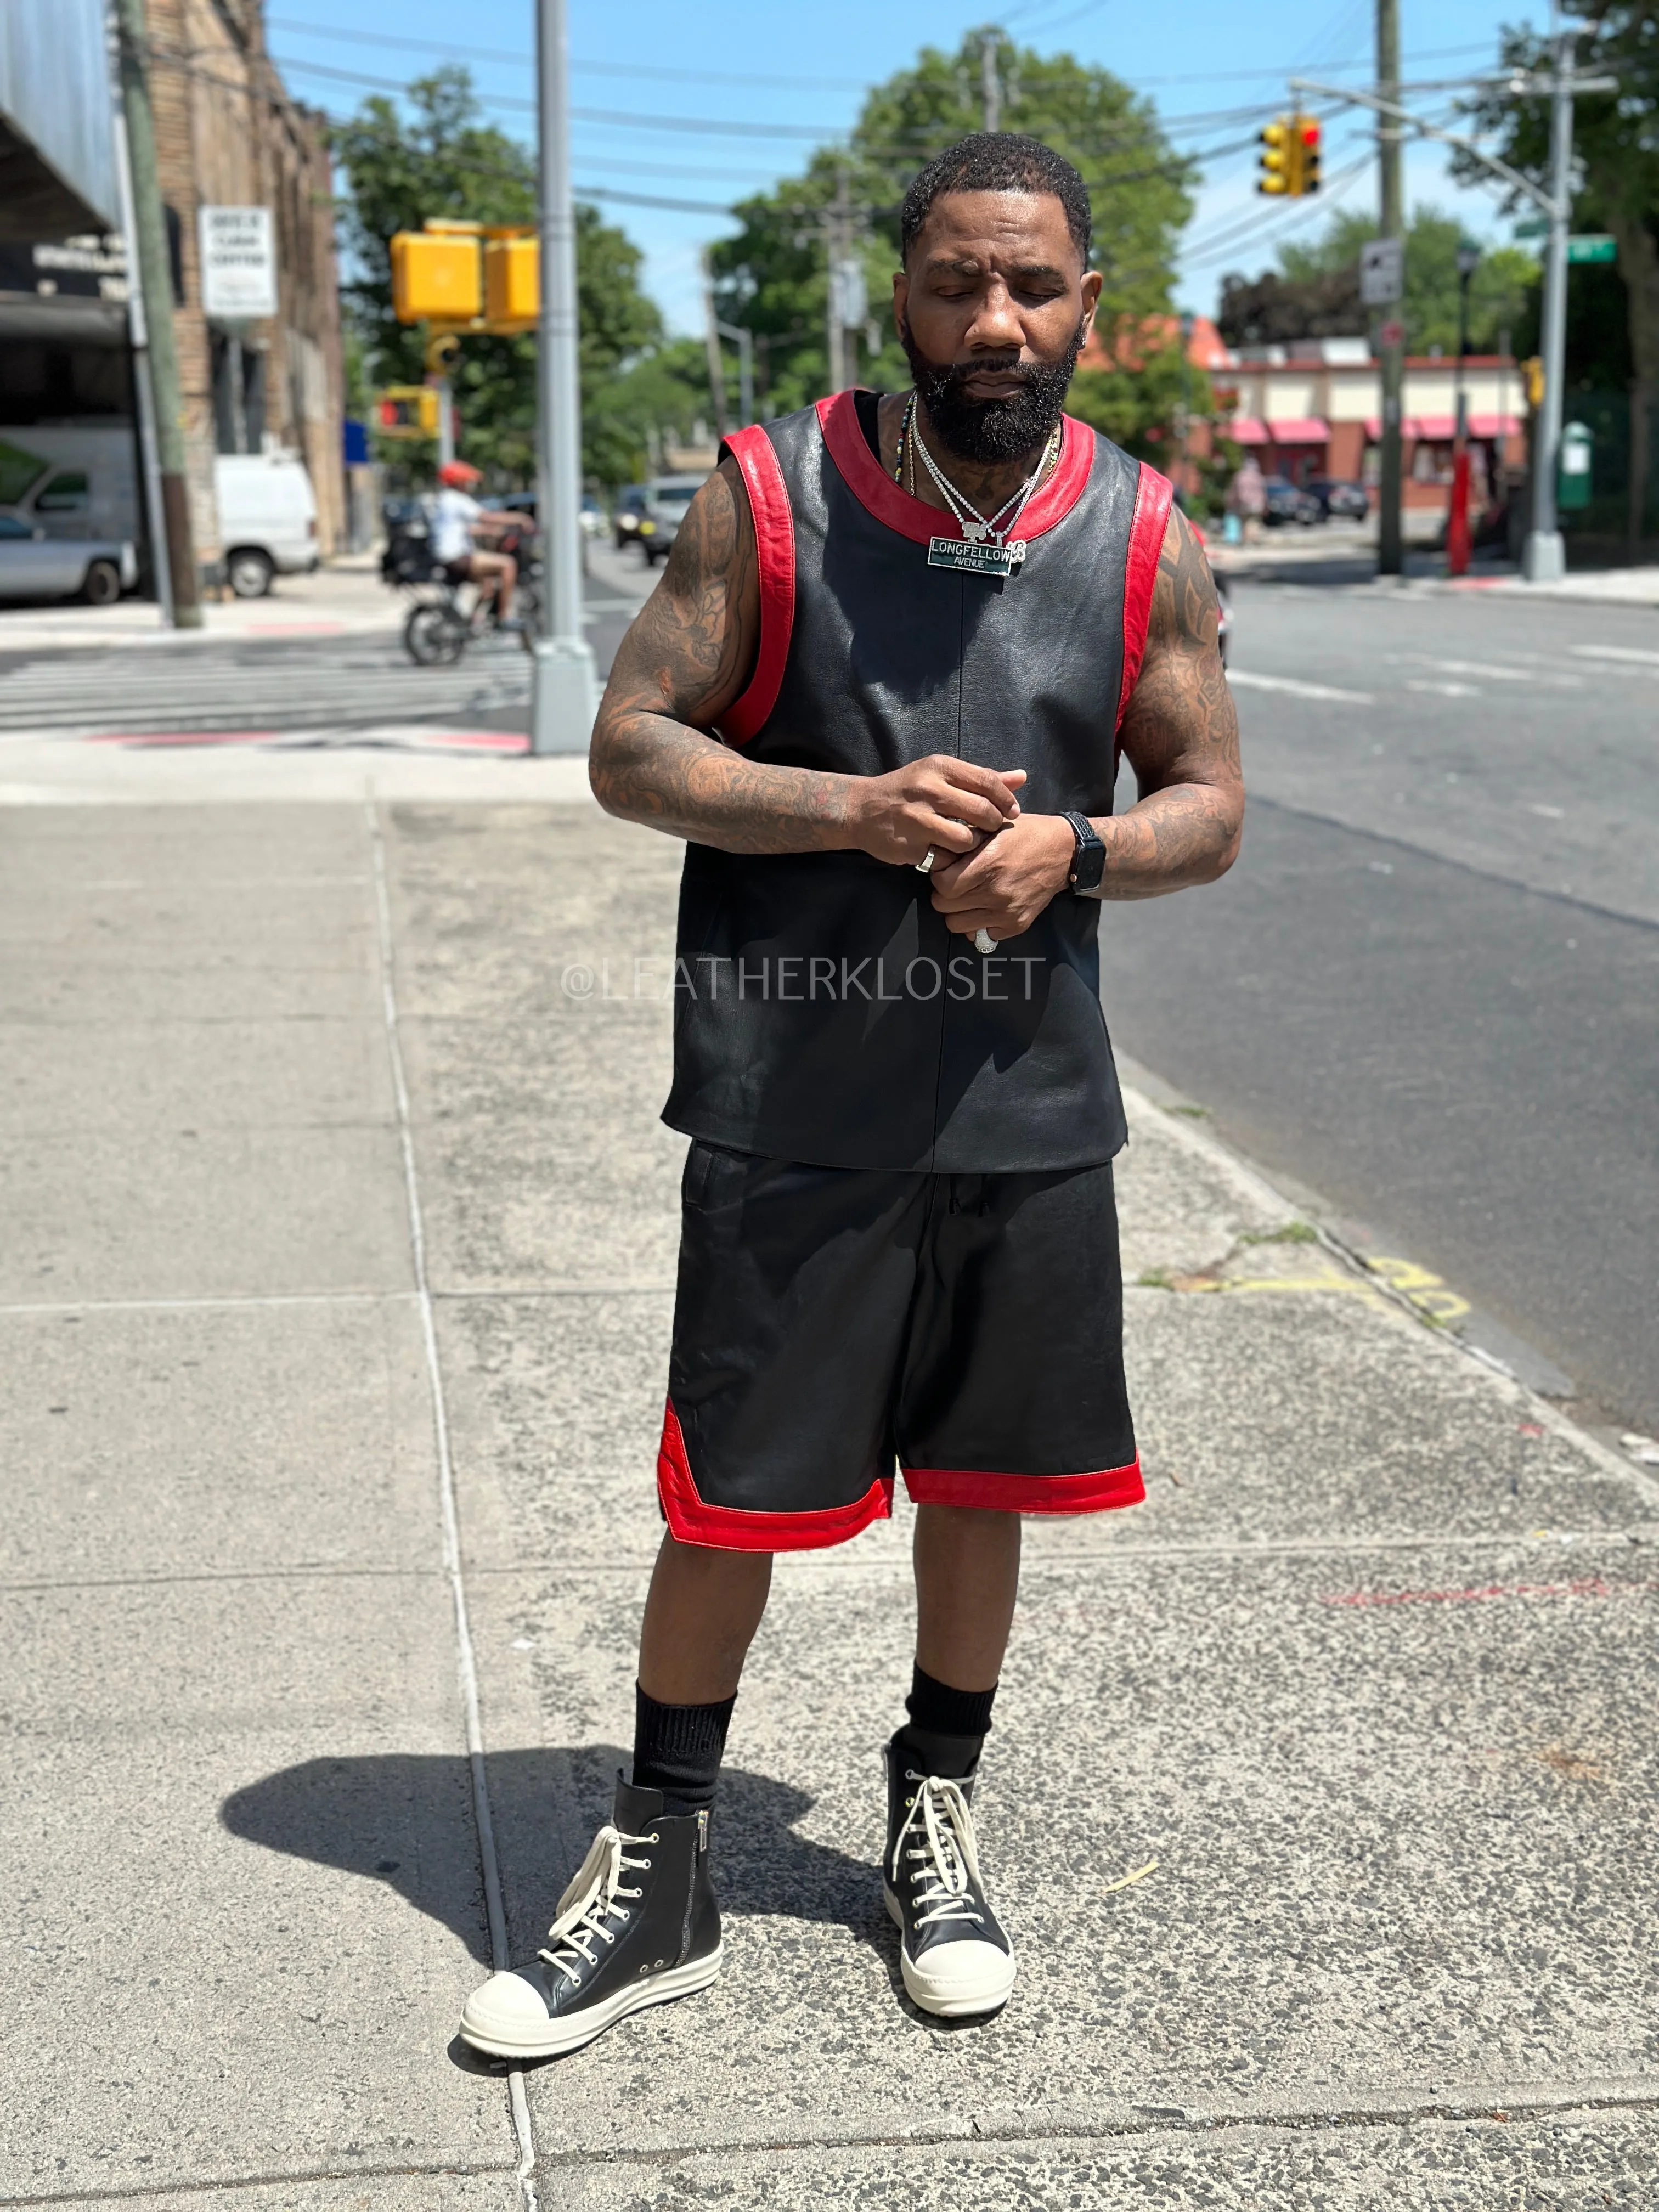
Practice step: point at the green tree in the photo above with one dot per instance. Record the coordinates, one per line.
(774, 275)
(440, 159)
(1316, 294)
(1616, 150)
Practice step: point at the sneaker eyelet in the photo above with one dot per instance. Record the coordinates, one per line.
(655, 1837)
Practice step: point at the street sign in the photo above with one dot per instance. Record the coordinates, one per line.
(239, 263)
(1392, 334)
(1535, 226)
(1593, 247)
(1381, 271)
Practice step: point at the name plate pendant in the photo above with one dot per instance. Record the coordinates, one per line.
(977, 560)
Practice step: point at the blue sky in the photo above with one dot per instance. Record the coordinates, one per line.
(644, 67)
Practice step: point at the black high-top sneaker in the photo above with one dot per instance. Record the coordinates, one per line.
(638, 1925)
(954, 1955)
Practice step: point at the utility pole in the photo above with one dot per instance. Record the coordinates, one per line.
(990, 83)
(711, 333)
(743, 339)
(149, 462)
(1543, 558)
(562, 703)
(153, 265)
(838, 240)
(1390, 558)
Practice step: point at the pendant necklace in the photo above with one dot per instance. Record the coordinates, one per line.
(984, 548)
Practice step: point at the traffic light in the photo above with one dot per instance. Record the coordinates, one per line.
(435, 276)
(1308, 134)
(407, 410)
(513, 283)
(1277, 159)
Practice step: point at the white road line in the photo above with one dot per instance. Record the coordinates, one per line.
(1496, 675)
(1297, 688)
(1442, 690)
(1629, 652)
(465, 1660)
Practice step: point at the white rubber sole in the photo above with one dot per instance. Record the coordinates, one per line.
(566, 2035)
(949, 2000)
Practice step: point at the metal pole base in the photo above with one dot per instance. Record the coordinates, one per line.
(1543, 558)
(563, 697)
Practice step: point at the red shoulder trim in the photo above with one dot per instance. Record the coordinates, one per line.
(727, 1529)
(775, 543)
(876, 492)
(1027, 1493)
(1153, 495)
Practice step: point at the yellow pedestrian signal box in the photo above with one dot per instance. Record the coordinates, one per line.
(513, 281)
(407, 410)
(1308, 137)
(1277, 159)
(435, 276)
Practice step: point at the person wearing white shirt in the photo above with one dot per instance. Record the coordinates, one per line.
(457, 521)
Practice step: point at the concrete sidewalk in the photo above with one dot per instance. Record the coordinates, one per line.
(334, 1300)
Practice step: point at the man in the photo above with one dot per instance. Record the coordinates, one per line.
(880, 692)
(458, 521)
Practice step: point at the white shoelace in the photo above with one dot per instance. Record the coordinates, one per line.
(944, 1855)
(590, 1902)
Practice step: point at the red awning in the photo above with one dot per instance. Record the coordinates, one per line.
(1494, 426)
(1303, 430)
(1245, 430)
(1435, 430)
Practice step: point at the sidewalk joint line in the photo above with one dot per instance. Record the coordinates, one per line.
(139, 2192)
(449, 1519)
(212, 1305)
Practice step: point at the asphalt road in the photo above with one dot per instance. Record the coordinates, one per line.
(1429, 991)
(362, 680)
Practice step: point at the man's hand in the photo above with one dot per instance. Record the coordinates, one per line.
(1003, 886)
(941, 803)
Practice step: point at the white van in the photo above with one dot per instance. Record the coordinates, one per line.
(267, 519)
(70, 480)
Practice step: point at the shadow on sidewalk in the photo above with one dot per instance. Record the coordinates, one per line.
(406, 1820)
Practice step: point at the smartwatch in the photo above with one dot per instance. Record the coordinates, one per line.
(1089, 860)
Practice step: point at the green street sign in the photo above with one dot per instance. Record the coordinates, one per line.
(1536, 227)
(1592, 247)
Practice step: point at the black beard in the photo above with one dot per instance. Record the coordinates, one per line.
(987, 431)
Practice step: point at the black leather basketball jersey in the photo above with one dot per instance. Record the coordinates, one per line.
(823, 1012)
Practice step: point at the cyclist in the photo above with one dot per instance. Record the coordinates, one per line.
(458, 521)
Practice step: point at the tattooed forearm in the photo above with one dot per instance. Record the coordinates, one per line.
(685, 660)
(1181, 736)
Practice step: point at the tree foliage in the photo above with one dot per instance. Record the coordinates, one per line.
(1615, 147)
(772, 275)
(1315, 293)
(439, 159)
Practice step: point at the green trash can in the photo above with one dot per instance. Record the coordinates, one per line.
(1572, 477)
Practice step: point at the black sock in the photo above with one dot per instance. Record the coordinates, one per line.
(678, 1749)
(947, 1728)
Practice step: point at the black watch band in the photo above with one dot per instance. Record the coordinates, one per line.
(1089, 860)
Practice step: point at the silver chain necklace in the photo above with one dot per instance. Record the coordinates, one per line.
(999, 556)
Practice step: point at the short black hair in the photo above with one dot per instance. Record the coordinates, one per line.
(997, 161)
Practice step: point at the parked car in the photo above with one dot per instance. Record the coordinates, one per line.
(1288, 502)
(267, 519)
(649, 515)
(1338, 496)
(35, 566)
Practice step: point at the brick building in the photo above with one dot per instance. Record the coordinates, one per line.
(227, 135)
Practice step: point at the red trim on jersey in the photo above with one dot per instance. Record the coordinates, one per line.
(727, 1529)
(774, 544)
(1152, 518)
(1027, 1493)
(876, 492)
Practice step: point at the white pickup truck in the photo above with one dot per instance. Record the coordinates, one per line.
(35, 566)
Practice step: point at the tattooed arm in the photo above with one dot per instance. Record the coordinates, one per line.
(1181, 737)
(684, 662)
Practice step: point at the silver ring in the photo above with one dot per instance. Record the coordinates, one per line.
(985, 941)
(924, 867)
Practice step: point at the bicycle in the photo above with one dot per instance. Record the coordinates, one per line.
(439, 628)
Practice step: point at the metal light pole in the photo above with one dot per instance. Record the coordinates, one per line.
(990, 83)
(1544, 556)
(1390, 551)
(562, 702)
(743, 339)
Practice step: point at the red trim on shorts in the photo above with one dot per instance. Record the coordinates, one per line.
(774, 545)
(876, 492)
(727, 1529)
(1027, 1493)
(1153, 495)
